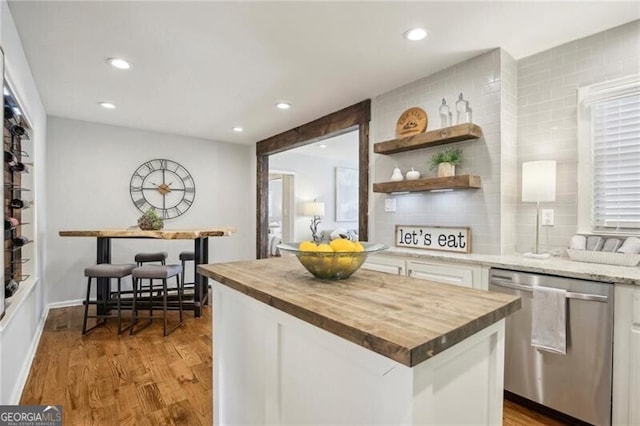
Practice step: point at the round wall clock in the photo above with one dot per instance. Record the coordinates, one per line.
(163, 185)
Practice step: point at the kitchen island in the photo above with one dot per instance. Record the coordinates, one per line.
(372, 349)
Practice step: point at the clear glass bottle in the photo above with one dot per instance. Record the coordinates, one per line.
(463, 111)
(445, 114)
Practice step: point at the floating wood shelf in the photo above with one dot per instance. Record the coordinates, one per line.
(429, 184)
(461, 132)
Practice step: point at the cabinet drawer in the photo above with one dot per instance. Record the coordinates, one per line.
(463, 276)
(383, 264)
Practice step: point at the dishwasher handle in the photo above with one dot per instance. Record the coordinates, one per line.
(570, 294)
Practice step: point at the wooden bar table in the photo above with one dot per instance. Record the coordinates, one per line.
(200, 239)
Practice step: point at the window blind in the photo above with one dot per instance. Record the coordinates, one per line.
(615, 130)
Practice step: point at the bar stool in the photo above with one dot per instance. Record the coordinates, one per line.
(184, 257)
(156, 272)
(160, 256)
(142, 258)
(105, 270)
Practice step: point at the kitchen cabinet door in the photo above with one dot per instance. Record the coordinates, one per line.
(462, 275)
(626, 356)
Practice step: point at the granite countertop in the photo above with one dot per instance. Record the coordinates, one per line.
(385, 313)
(555, 265)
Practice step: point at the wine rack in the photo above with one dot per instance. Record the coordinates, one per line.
(16, 164)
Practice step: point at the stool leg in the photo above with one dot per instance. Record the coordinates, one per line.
(119, 319)
(86, 307)
(164, 307)
(134, 308)
(182, 273)
(180, 290)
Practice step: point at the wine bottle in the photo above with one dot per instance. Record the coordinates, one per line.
(17, 203)
(17, 130)
(19, 167)
(10, 288)
(10, 157)
(20, 241)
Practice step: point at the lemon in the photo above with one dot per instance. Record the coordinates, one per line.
(324, 248)
(307, 246)
(340, 244)
(344, 262)
(358, 247)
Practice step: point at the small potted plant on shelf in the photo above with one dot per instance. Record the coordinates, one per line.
(446, 161)
(150, 221)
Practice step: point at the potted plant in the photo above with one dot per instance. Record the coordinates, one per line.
(150, 221)
(446, 161)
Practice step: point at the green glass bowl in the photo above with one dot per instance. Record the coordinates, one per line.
(332, 265)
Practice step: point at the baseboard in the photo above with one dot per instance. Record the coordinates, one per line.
(33, 348)
(64, 304)
(29, 357)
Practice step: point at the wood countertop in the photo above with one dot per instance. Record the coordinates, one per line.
(405, 319)
(166, 234)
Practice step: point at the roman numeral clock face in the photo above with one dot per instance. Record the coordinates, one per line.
(163, 185)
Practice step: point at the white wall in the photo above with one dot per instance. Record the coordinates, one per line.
(547, 118)
(20, 328)
(314, 178)
(89, 167)
(479, 79)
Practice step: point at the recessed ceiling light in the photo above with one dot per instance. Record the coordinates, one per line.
(415, 34)
(107, 105)
(283, 105)
(119, 63)
(237, 129)
(323, 145)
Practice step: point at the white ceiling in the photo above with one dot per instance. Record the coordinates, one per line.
(200, 68)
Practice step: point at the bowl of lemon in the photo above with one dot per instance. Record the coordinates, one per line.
(335, 260)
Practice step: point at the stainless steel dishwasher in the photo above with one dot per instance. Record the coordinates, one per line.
(578, 383)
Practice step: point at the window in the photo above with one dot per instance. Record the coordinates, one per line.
(609, 157)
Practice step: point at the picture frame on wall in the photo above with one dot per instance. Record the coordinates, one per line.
(346, 194)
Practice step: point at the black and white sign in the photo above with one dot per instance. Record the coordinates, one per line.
(455, 239)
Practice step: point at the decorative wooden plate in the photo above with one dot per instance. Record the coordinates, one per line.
(412, 122)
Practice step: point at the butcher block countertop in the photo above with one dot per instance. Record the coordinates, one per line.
(166, 234)
(398, 317)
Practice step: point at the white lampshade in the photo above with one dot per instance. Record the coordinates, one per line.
(313, 209)
(539, 181)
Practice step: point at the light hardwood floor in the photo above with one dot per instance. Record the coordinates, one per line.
(145, 379)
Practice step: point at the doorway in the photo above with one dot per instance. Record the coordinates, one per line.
(281, 209)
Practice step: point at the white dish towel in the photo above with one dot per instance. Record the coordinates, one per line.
(548, 320)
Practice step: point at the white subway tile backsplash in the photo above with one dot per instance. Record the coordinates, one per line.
(527, 110)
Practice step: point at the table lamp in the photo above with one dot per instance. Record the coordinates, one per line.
(316, 210)
(538, 185)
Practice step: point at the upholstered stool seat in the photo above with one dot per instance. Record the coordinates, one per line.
(187, 255)
(160, 256)
(109, 271)
(162, 273)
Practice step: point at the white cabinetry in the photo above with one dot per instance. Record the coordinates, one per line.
(460, 275)
(453, 272)
(390, 265)
(626, 356)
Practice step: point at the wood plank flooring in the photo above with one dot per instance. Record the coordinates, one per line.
(103, 379)
(145, 379)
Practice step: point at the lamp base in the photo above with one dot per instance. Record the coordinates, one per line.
(538, 255)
